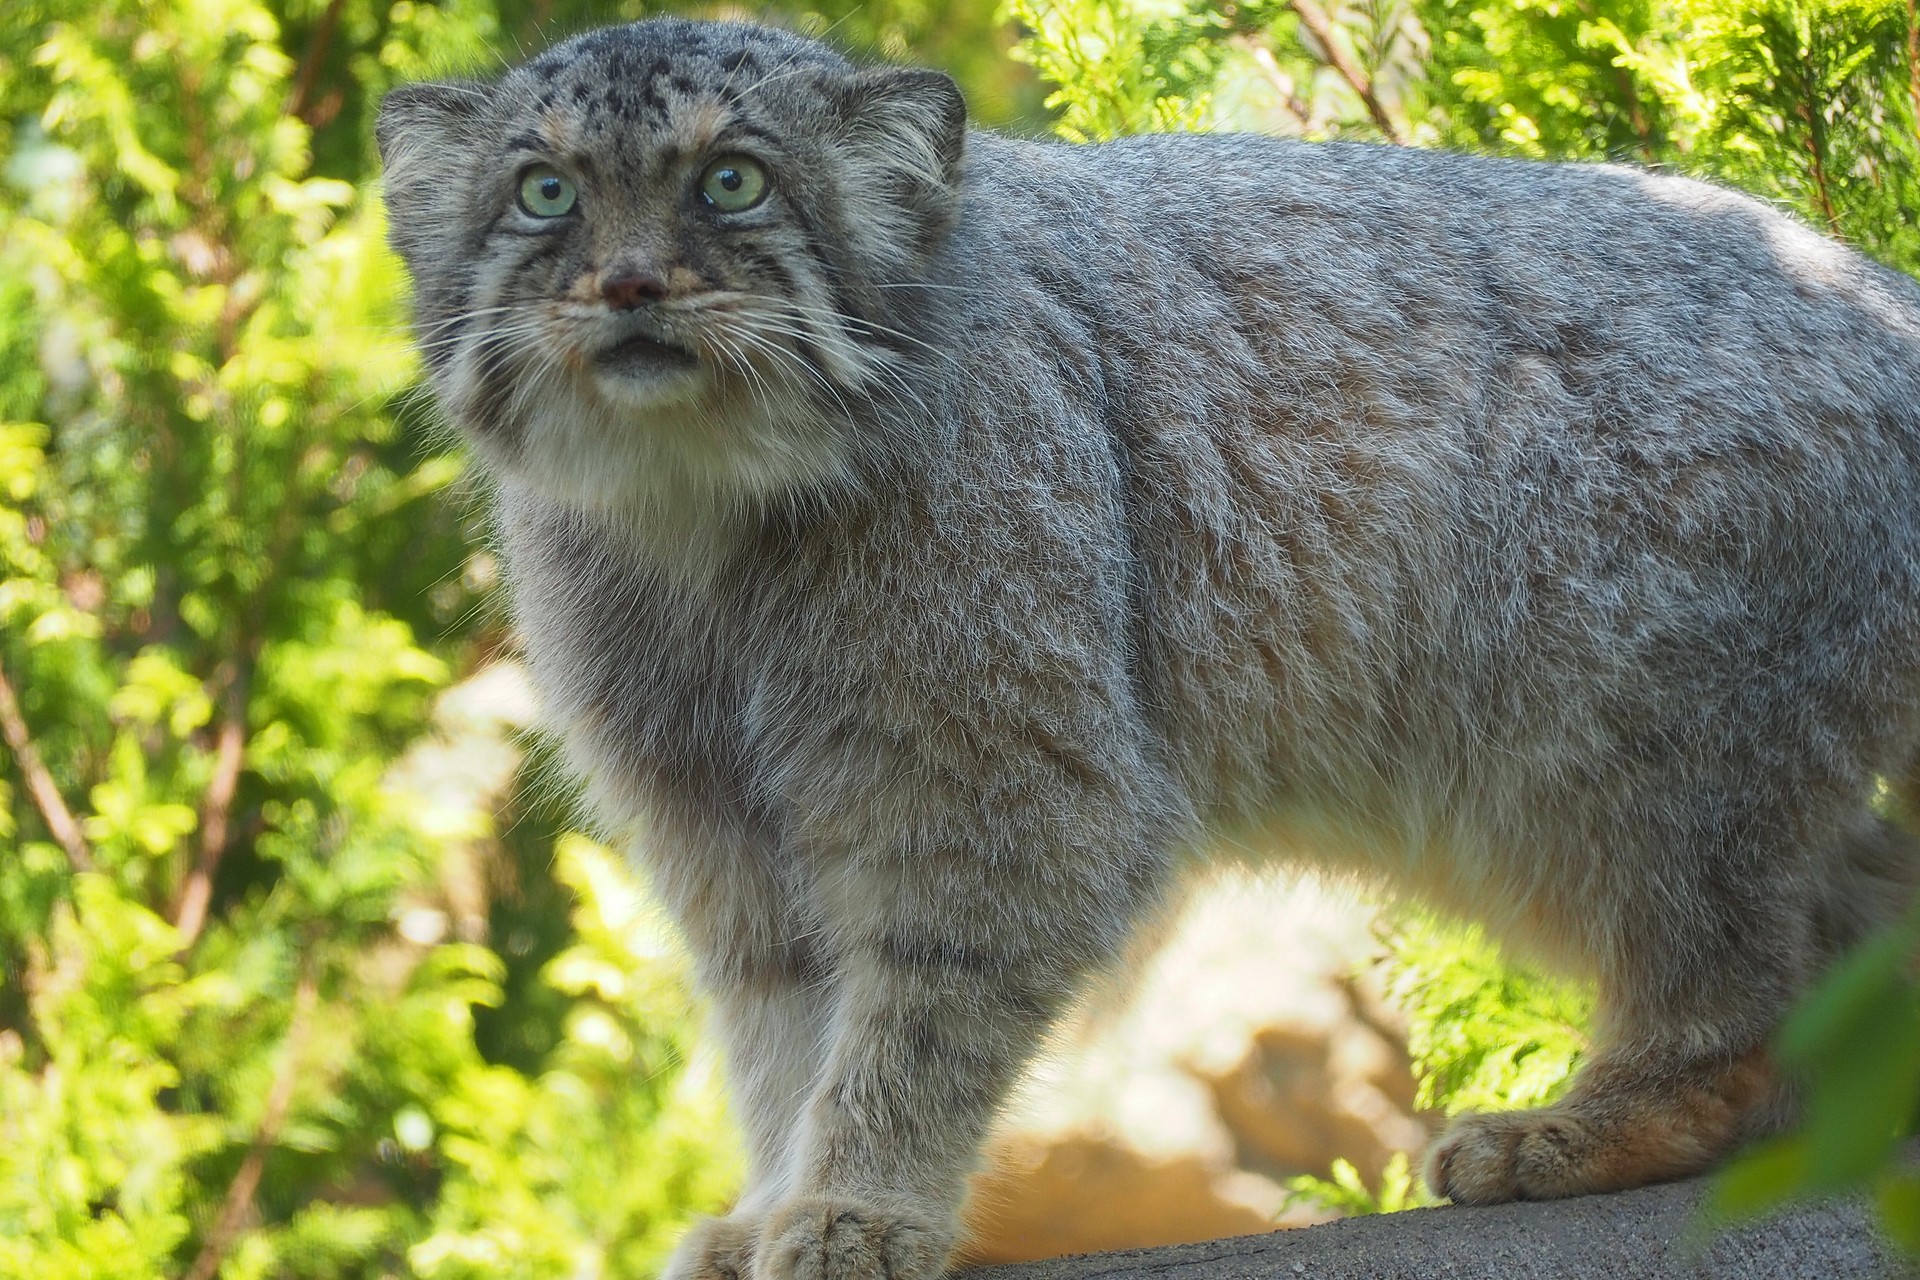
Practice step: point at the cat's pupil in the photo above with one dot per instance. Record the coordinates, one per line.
(730, 179)
(550, 188)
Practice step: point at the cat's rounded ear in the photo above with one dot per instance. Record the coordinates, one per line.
(904, 131)
(424, 114)
(915, 115)
(423, 132)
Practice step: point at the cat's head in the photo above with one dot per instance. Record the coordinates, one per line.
(662, 262)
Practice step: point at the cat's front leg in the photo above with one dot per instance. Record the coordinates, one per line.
(953, 962)
(751, 936)
(769, 1022)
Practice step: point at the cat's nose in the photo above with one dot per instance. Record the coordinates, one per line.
(625, 290)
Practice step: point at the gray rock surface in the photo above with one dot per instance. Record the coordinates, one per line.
(1636, 1235)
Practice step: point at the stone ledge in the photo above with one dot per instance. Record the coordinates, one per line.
(1634, 1235)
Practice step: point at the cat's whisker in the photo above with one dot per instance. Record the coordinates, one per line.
(738, 360)
(471, 313)
(864, 360)
(800, 310)
(783, 356)
(776, 77)
(920, 284)
(781, 68)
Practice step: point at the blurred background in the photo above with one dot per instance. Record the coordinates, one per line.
(305, 969)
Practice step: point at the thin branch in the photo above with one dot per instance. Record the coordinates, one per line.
(40, 785)
(239, 1202)
(216, 810)
(300, 101)
(1817, 148)
(1276, 79)
(1352, 72)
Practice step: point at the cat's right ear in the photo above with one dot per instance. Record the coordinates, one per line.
(423, 131)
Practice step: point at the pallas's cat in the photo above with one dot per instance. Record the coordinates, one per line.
(932, 539)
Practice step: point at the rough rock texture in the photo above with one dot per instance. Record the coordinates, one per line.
(1239, 1051)
(1635, 1235)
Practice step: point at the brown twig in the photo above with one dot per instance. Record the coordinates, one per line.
(216, 810)
(1352, 72)
(233, 1210)
(1276, 78)
(300, 100)
(40, 785)
(1817, 149)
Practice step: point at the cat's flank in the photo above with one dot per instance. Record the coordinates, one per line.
(932, 538)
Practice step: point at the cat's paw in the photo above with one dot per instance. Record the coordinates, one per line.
(1620, 1126)
(716, 1249)
(829, 1238)
(1549, 1154)
(1489, 1159)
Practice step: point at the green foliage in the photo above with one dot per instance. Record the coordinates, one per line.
(1854, 1043)
(1122, 68)
(1347, 1194)
(1815, 103)
(1810, 102)
(1483, 1035)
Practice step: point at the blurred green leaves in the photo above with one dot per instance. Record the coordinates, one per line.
(1815, 103)
(1853, 1045)
(1483, 1034)
(249, 874)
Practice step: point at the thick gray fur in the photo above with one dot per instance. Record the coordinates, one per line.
(1016, 519)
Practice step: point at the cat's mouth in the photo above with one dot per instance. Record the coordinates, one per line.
(640, 354)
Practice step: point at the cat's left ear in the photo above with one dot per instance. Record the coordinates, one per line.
(903, 131)
(914, 116)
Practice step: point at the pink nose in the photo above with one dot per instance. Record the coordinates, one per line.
(626, 290)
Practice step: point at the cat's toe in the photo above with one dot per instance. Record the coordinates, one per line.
(716, 1249)
(827, 1238)
(1472, 1163)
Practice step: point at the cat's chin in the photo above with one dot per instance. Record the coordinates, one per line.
(643, 374)
(643, 355)
(671, 452)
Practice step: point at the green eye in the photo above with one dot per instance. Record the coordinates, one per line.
(545, 193)
(732, 184)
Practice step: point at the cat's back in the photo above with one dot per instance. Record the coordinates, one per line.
(1404, 243)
